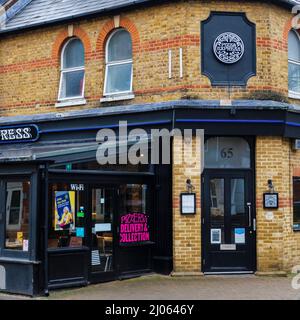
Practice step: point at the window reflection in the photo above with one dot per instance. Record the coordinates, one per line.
(238, 212)
(217, 201)
(102, 230)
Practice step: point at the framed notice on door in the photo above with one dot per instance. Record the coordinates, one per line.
(188, 203)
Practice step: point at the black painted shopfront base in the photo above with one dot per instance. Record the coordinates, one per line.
(20, 277)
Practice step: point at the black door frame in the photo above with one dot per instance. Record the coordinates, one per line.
(95, 277)
(251, 171)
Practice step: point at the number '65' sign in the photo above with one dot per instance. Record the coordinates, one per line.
(227, 153)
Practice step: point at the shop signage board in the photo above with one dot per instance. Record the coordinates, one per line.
(228, 48)
(19, 134)
(134, 229)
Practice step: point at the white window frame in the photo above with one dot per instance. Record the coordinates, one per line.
(115, 63)
(294, 94)
(69, 70)
(10, 190)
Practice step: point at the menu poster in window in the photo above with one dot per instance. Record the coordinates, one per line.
(188, 203)
(64, 210)
(134, 229)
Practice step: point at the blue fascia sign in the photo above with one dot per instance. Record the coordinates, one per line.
(19, 134)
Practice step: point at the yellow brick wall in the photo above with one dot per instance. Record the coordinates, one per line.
(186, 229)
(278, 246)
(29, 74)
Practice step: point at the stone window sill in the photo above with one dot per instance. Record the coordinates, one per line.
(294, 95)
(117, 98)
(70, 103)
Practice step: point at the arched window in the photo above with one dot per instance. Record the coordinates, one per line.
(227, 153)
(294, 63)
(72, 70)
(118, 75)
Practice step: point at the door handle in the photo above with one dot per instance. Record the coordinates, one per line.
(249, 214)
(254, 224)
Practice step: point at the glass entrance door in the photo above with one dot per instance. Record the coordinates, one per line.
(229, 223)
(103, 206)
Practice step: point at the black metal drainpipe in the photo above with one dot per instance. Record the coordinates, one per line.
(46, 268)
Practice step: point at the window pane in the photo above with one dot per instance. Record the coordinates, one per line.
(17, 215)
(102, 230)
(296, 201)
(120, 46)
(15, 206)
(73, 54)
(217, 201)
(238, 212)
(134, 218)
(119, 78)
(72, 84)
(217, 211)
(294, 46)
(294, 77)
(223, 152)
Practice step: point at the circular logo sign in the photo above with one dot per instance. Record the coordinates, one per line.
(229, 48)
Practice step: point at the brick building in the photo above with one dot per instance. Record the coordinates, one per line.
(68, 70)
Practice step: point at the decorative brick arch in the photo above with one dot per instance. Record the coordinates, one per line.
(287, 28)
(63, 36)
(110, 26)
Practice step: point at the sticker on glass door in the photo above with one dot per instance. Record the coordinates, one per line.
(215, 236)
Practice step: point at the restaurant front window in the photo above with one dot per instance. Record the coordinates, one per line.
(67, 218)
(17, 215)
(134, 216)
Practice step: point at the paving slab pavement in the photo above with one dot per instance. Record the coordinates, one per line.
(156, 287)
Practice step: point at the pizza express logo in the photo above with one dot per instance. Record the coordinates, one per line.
(229, 48)
(19, 134)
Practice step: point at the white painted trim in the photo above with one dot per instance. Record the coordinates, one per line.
(70, 102)
(111, 98)
(181, 62)
(294, 95)
(170, 64)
